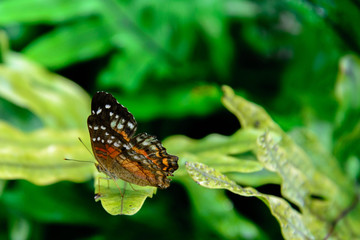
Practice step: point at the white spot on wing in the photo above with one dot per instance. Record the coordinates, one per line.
(111, 113)
(96, 127)
(130, 125)
(107, 106)
(102, 140)
(98, 111)
(109, 141)
(116, 144)
(93, 112)
(120, 126)
(153, 148)
(90, 127)
(94, 139)
(98, 138)
(106, 134)
(102, 127)
(113, 124)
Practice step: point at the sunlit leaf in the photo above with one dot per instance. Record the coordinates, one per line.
(49, 96)
(290, 220)
(227, 154)
(219, 214)
(39, 156)
(119, 197)
(311, 178)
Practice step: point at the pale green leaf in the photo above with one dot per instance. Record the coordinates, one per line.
(227, 154)
(249, 114)
(49, 96)
(290, 220)
(219, 214)
(119, 197)
(39, 156)
(311, 178)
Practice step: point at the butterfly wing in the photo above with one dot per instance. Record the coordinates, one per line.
(156, 159)
(141, 160)
(112, 114)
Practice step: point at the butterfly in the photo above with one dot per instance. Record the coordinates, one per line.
(138, 159)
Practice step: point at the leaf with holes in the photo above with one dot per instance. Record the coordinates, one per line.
(290, 220)
(311, 178)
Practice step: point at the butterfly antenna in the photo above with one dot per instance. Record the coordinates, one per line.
(86, 147)
(76, 160)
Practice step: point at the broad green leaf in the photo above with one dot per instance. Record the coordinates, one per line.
(311, 178)
(49, 96)
(227, 154)
(71, 43)
(12, 11)
(249, 114)
(39, 156)
(216, 211)
(119, 197)
(290, 220)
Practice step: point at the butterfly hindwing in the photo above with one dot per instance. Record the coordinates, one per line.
(152, 149)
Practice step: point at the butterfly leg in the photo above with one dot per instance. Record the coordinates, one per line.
(98, 194)
(132, 187)
(122, 198)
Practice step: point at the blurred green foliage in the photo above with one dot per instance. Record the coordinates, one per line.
(166, 61)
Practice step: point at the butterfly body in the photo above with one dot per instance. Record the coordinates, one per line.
(140, 159)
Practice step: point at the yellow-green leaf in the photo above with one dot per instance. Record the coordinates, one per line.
(39, 156)
(119, 197)
(290, 220)
(311, 177)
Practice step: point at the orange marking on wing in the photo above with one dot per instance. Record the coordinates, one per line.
(100, 149)
(101, 155)
(113, 152)
(166, 163)
(138, 171)
(141, 151)
(123, 133)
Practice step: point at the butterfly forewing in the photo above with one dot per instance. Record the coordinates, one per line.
(114, 115)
